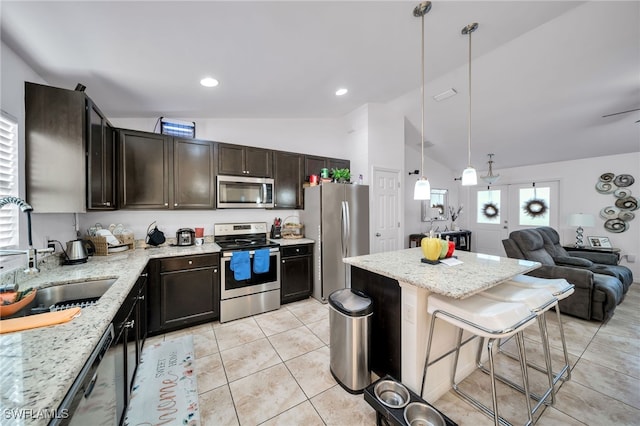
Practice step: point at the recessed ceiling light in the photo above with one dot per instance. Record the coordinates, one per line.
(341, 92)
(209, 82)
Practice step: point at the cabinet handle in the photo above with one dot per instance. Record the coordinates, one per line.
(166, 204)
(215, 270)
(129, 324)
(297, 250)
(283, 261)
(191, 262)
(140, 297)
(175, 205)
(106, 204)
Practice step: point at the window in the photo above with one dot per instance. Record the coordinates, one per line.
(535, 205)
(8, 179)
(489, 207)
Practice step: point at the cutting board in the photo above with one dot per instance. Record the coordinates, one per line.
(39, 320)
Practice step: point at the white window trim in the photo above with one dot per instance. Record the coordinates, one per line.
(9, 183)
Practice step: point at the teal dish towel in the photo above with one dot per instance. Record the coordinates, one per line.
(261, 261)
(240, 265)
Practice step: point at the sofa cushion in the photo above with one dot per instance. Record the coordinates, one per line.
(572, 261)
(552, 241)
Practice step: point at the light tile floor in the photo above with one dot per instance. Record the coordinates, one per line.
(273, 369)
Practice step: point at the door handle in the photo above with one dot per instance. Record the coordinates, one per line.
(378, 234)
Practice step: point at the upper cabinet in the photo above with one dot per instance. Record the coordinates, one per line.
(244, 160)
(163, 172)
(101, 187)
(69, 152)
(314, 164)
(193, 174)
(288, 177)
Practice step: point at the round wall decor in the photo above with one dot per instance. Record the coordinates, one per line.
(535, 207)
(618, 216)
(490, 210)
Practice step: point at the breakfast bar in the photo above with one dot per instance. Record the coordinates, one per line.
(399, 284)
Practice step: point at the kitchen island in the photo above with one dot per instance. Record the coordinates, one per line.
(400, 284)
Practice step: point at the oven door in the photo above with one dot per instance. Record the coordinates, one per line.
(244, 192)
(230, 287)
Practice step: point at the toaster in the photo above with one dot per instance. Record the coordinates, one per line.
(185, 237)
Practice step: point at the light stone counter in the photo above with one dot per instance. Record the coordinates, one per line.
(417, 281)
(38, 366)
(292, 241)
(478, 271)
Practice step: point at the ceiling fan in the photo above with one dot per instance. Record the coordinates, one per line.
(622, 112)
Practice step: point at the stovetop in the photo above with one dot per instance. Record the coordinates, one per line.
(242, 236)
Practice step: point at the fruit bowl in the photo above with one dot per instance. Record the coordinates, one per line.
(12, 308)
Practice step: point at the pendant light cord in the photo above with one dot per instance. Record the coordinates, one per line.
(469, 126)
(422, 96)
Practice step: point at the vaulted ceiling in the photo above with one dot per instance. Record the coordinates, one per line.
(544, 73)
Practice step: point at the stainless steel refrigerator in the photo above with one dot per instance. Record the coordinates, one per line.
(336, 216)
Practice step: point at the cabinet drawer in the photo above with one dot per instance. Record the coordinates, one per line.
(189, 262)
(296, 250)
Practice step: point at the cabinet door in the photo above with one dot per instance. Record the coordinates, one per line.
(100, 161)
(296, 276)
(313, 165)
(257, 162)
(193, 174)
(144, 170)
(288, 179)
(336, 163)
(230, 159)
(187, 297)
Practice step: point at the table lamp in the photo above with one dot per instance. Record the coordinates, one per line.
(580, 220)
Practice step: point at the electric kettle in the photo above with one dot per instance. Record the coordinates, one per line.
(78, 251)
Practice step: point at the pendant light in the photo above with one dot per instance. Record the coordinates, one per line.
(469, 175)
(422, 190)
(490, 178)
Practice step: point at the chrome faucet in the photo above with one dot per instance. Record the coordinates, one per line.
(32, 253)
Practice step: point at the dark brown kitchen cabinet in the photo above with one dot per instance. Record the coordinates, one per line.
(101, 188)
(193, 174)
(244, 160)
(313, 164)
(183, 291)
(296, 272)
(144, 170)
(69, 151)
(130, 331)
(163, 172)
(288, 178)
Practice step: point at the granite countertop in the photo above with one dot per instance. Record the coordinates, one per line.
(478, 271)
(38, 366)
(292, 241)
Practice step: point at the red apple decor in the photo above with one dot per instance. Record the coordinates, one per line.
(452, 247)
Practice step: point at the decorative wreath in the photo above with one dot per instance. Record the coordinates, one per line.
(535, 207)
(490, 210)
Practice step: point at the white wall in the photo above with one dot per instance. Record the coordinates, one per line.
(578, 195)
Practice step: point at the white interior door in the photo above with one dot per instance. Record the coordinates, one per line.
(385, 211)
(501, 209)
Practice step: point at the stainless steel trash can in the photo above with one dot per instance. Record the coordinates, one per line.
(350, 333)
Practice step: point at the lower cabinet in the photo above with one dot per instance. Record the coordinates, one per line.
(296, 272)
(183, 291)
(130, 331)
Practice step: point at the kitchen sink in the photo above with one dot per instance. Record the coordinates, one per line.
(67, 294)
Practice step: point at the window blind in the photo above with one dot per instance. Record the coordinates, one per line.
(8, 180)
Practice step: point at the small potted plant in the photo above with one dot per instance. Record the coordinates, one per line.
(341, 175)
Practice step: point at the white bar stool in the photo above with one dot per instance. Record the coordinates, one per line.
(561, 289)
(538, 301)
(488, 319)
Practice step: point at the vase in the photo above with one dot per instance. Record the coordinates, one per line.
(454, 227)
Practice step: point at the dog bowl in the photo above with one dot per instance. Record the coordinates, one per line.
(421, 414)
(391, 393)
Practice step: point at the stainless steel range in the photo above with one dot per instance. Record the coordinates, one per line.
(258, 293)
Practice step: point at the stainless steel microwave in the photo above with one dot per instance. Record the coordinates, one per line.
(241, 192)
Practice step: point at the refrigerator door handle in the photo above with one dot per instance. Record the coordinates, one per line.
(343, 227)
(347, 228)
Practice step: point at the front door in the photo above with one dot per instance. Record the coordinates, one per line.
(501, 209)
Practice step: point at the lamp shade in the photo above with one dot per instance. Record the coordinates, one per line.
(422, 190)
(469, 177)
(581, 219)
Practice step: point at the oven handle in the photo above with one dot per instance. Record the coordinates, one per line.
(251, 252)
